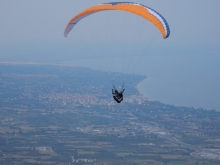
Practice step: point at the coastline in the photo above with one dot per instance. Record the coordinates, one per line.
(140, 90)
(145, 87)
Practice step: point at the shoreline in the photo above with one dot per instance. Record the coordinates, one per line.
(140, 91)
(166, 102)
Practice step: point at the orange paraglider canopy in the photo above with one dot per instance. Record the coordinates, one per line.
(135, 8)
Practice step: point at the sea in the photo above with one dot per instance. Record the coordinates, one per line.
(186, 80)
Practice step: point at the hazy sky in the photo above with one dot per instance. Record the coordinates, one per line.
(184, 70)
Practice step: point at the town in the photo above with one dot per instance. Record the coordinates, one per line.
(53, 114)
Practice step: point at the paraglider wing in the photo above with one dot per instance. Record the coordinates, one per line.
(139, 9)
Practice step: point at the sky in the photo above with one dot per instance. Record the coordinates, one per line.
(182, 70)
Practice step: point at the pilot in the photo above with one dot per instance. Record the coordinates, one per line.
(118, 96)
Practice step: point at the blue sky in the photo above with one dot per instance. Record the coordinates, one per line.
(192, 23)
(183, 70)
